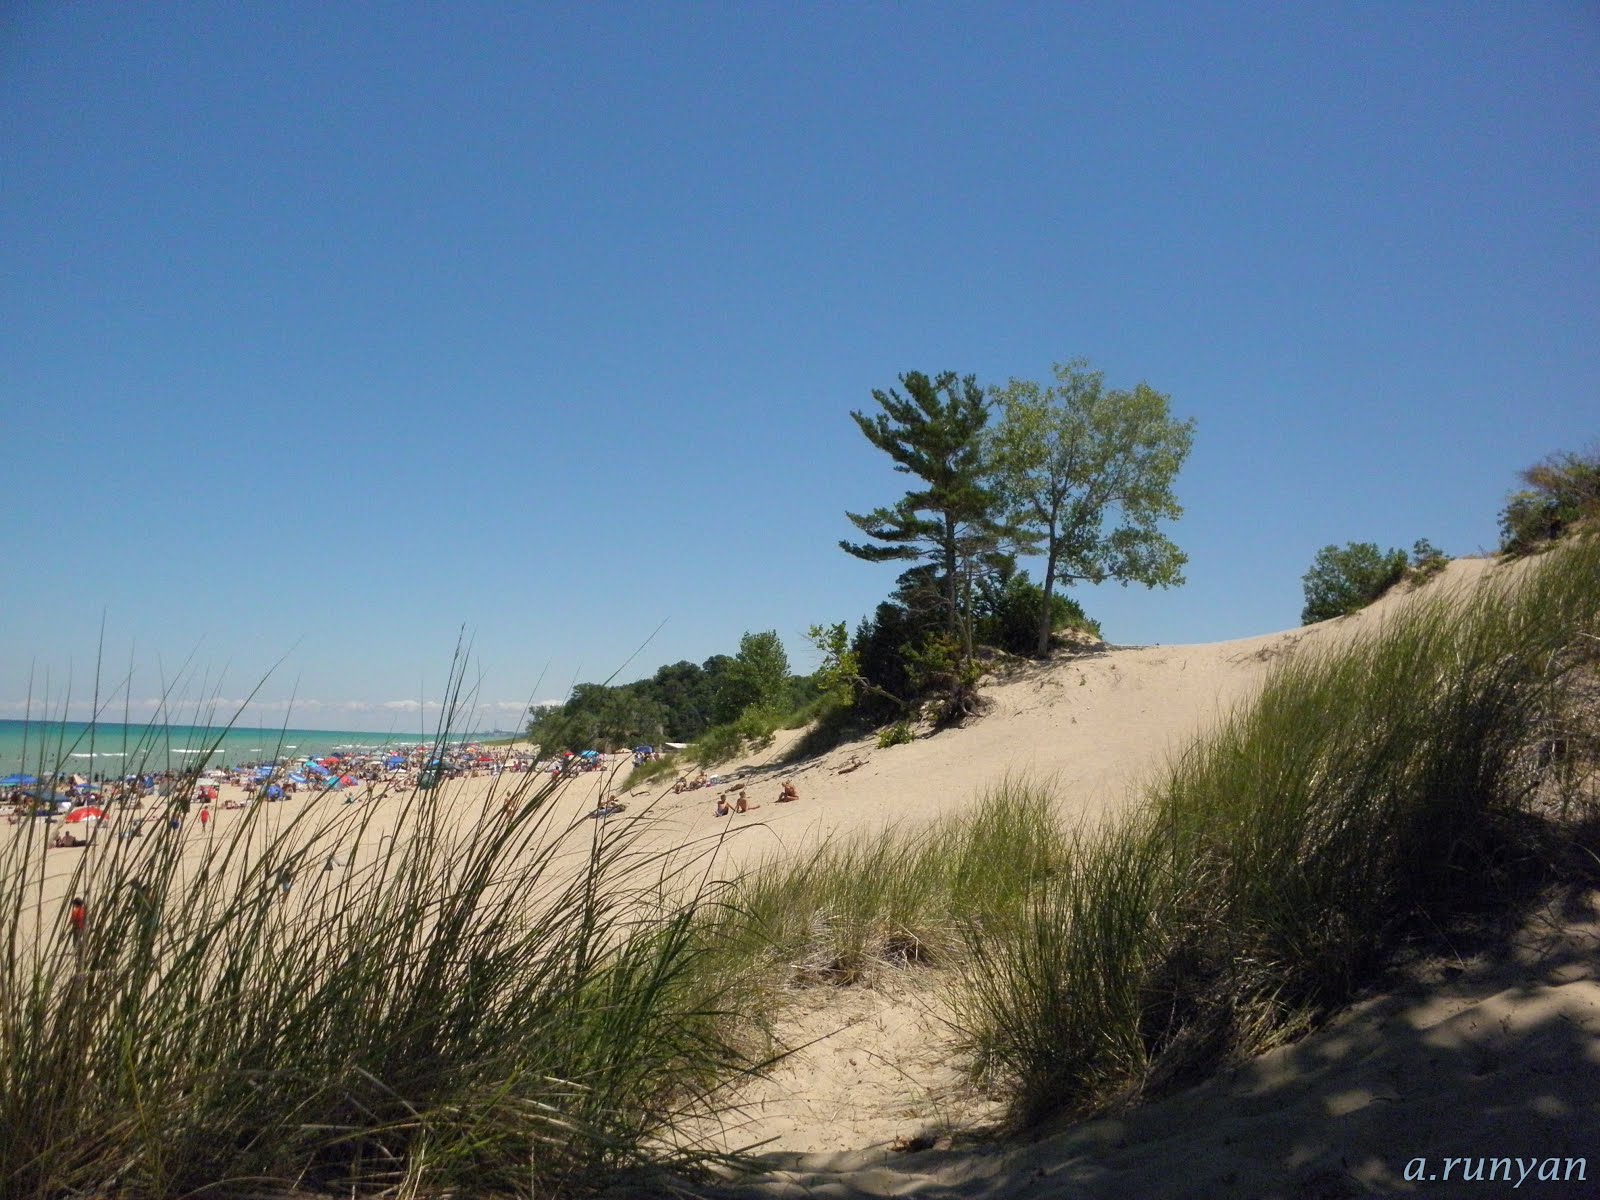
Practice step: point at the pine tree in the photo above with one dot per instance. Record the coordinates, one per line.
(934, 433)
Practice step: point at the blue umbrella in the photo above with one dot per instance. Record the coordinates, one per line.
(19, 781)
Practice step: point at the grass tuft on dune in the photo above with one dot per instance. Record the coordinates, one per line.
(1369, 788)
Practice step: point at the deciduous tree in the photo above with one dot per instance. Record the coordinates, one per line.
(1087, 473)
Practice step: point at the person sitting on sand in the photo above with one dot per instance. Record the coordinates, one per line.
(678, 786)
(722, 808)
(742, 804)
(788, 794)
(66, 838)
(700, 780)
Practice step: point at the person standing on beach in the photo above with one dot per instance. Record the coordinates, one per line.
(77, 918)
(205, 818)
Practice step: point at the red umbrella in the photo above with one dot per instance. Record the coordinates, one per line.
(87, 813)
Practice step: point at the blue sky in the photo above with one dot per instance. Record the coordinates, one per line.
(327, 330)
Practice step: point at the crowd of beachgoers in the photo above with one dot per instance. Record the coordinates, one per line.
(80, 803)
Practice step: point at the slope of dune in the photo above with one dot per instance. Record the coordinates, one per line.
(1491, 1055)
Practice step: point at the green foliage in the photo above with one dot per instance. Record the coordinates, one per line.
(717, 744)
(1009, 607)
(1563, 491)
(840, 670)
(898, 734)
(679, 703)
(932, 433)
(1347, 580)
(1087, 475)
(833, 724)
(939, 668)
(759, 676)
(1427, 560)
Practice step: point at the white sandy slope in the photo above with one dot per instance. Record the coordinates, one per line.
(1496, 1056)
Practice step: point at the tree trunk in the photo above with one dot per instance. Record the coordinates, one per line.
(1049, 594)
(952, 561)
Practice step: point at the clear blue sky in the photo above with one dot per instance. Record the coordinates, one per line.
(328, 329)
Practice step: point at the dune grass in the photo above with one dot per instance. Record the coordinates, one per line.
(508, 1007)
(849, 907)
(1368, 788)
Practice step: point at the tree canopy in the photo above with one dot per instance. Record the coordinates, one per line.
(1562, 491)
(1344, 580)
(933, 432)
(1087, 475)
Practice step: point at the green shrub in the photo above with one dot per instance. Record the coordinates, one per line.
(717, 744)
(1427, 560)
(1008, 614)
(1347, 580)
(898, 734)
(656, 768)
(1563, 491)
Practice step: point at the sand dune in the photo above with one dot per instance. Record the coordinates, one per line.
(1492, 1056)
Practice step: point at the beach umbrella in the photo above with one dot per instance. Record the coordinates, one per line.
(19, 781)
(349, 781)
(87, 813)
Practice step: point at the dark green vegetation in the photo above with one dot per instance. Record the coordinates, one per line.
(1562, 493)
(1076, 472)
(679, 703)
(1346, 580)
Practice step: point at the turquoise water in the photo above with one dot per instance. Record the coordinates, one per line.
(116, 749)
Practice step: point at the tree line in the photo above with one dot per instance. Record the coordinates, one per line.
(1074, 472)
